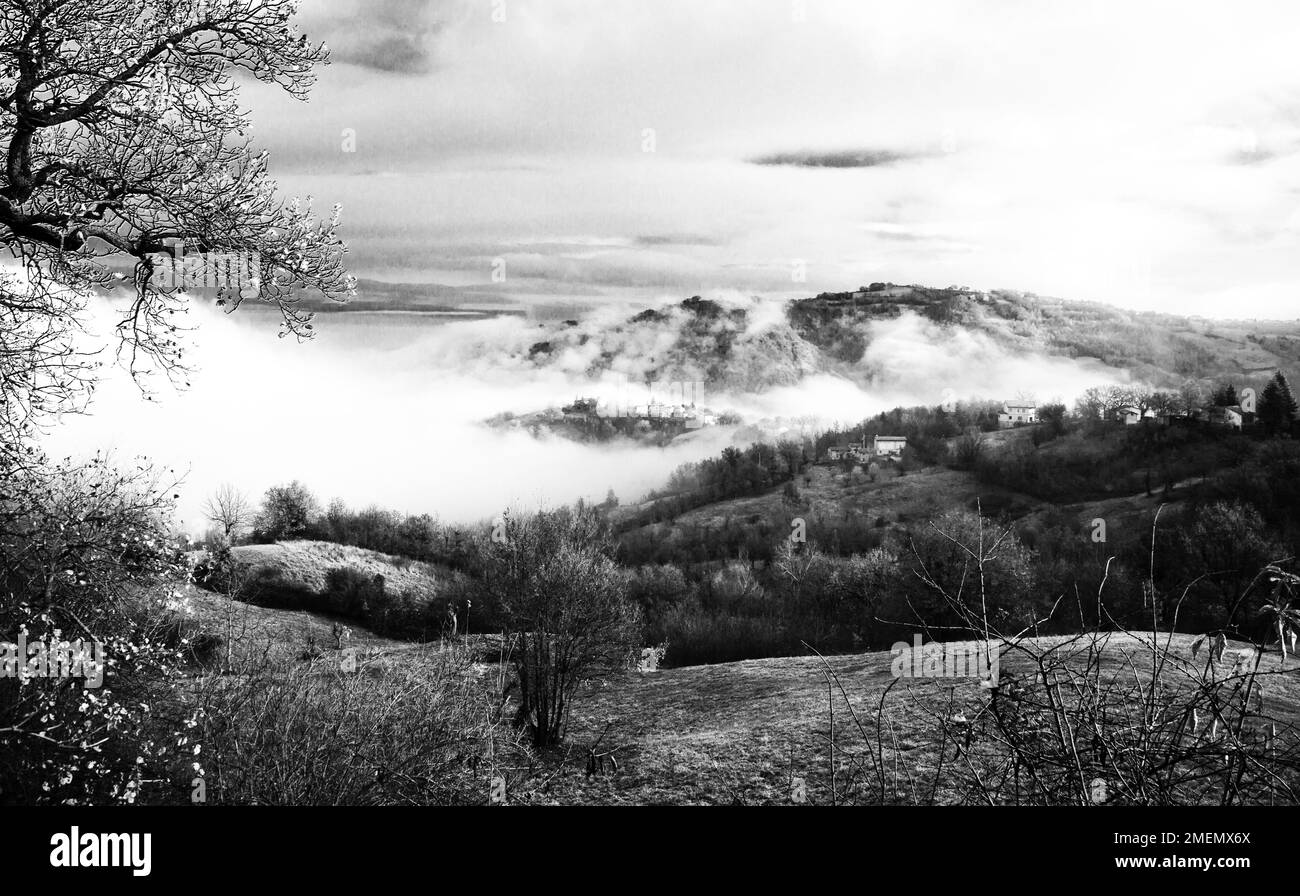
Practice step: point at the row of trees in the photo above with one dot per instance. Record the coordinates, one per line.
(1276, 408)
(292, 511)
(287, 511)
(1205, 567)
(735, 473)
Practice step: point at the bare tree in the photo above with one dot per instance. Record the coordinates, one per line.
(1090, 406)
(968, 449)
(229, 509)
(1192, 396)
(1116, 399)
(1165, 402)
(125, 152)
(124, 142)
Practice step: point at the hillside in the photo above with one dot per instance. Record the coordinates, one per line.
(1162, 349)
(828, 495)
(829, 500)
(918, 496)
(280, 638)
(737, 733)
(725, 347)
(304, 564)
(392, 596)
(745, 347)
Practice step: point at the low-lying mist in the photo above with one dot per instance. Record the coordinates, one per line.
(389, 409)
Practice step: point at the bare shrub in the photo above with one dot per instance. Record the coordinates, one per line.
(567, 611)
(85, 557)
(343, 730)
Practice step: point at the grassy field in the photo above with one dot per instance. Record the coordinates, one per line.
(305, 563)
(741, 733)
(771, 731)
(827, 493)
(262, 628)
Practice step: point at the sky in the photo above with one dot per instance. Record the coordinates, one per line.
(1144, 154)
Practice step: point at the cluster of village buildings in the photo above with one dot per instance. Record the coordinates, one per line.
(1232, 416)
(881, 448)
(1025, 413)
(686, 416)
(1022, 413)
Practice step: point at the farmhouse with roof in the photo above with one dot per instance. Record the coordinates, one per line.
(1017, 413)
(882, 447)
(856, 451)
(1131, 415)
(890, 446)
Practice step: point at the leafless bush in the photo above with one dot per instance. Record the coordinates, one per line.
(566, 605)
(85, 557)
(346, 730)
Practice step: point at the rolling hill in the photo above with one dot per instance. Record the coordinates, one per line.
(304, 564)
(739, 347)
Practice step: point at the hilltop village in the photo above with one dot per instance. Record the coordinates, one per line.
(589, 419)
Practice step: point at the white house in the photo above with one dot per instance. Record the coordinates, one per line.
(695, 422)
(1017, 413)
(890, 446)
(1230, 416)
(1130, 415)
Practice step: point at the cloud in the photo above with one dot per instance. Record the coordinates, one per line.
(394, 36)
(677, 239)
(913, 361)
(861, 158)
